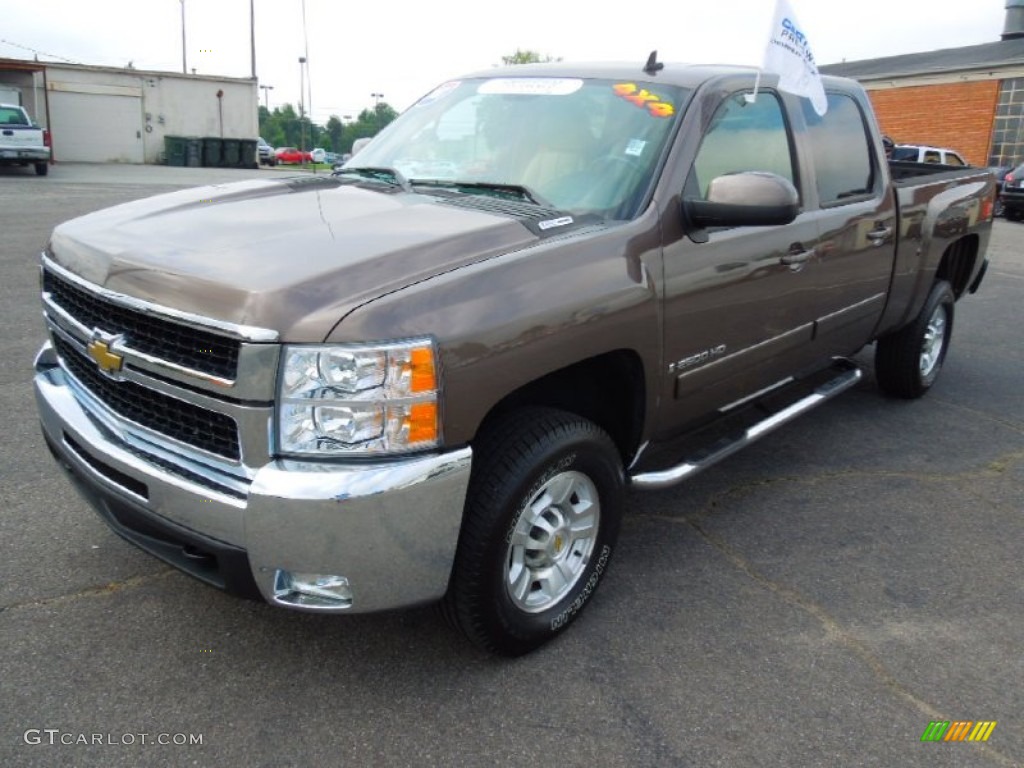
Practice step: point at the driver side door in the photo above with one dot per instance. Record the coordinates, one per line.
(738, 315)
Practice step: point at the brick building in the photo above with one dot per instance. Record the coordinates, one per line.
(969, 99)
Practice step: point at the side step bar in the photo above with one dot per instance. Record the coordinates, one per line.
(847, 376)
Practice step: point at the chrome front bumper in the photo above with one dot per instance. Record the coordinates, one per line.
(390, 527)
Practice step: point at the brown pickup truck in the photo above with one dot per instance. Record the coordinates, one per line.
(434, 375)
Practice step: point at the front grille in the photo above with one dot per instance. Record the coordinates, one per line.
(182, 421)
(163, 339)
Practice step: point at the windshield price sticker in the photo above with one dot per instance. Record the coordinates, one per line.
(635, 147)
(644, 98)
(531, 86)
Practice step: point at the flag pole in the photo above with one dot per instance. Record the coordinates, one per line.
(752, 97)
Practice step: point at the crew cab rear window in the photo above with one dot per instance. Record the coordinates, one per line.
(839, 145)
(743, 136)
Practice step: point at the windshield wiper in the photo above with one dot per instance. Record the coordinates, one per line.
(387, 175)
(503, 191)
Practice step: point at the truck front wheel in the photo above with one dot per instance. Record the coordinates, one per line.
(541, 520)
(908, 361)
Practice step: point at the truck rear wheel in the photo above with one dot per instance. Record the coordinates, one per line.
(908, 361)
(541, 520)
(42, 169)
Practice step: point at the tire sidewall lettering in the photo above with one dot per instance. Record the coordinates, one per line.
(581, 599)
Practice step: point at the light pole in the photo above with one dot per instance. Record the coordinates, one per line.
(252, 36)
(266, 96)
(376, 103)
(184, 70)
(302, 121)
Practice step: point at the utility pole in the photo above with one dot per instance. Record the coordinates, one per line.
(302, 119)
(184, 69)
(266, 95)
(376, 112)
(252, 36)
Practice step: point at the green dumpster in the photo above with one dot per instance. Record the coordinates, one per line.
(174, 150)
(229, 155)
(213, 149)
(247, 156)
(193, 152)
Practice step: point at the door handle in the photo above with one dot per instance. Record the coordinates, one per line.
(879, 234)
(796, 258)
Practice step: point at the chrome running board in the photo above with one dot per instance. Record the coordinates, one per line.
(847, 375)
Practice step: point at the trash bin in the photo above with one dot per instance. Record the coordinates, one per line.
(174, 150)
(193, 152)
(212, 151)
(229, 157)
(247, 154)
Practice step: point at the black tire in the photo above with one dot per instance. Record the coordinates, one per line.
(521, 458)
(42, 169)
(908, 361)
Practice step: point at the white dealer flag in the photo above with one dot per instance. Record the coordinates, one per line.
(789, 55)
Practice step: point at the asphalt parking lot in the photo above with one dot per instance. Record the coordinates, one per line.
(815, 600)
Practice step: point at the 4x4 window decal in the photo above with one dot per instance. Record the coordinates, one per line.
(641, 97)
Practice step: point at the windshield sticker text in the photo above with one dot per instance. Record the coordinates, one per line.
(552, 223)
(531, 86)
(643, 98)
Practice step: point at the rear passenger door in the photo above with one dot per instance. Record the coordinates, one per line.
(856, 222)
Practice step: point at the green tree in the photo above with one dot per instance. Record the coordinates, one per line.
(527, 57)
(284, 128)
(369, 123)
(335, 132)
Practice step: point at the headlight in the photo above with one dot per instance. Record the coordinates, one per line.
(358, 399)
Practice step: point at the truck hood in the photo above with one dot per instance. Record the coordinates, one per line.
(292, 255)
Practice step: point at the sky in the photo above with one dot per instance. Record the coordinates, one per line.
(402, 49)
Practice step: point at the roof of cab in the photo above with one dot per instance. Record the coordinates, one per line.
(683, 75)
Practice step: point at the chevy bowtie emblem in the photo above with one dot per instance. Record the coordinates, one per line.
(109, 362)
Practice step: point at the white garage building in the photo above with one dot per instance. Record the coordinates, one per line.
(112, 115)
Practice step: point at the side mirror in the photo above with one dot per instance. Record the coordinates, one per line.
(747, 199)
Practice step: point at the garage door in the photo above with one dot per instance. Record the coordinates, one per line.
(96, 128)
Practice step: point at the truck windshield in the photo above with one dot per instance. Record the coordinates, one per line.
(581, 145)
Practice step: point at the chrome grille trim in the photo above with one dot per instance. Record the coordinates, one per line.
(233, 330)
(252, 422)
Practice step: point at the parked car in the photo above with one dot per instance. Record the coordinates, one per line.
(403, 389)
(1013, 194)
(1000, 172)
(265, 152)
(292, 155)
(319, 155)
(917, 153)
(22, 142)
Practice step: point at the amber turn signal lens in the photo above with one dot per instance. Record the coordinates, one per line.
(424, 378)
(423, 423)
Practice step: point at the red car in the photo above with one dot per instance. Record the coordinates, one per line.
(292, 155)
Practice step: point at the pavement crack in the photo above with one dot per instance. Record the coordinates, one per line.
(1015, 426)
(103, 590)
(833, 629)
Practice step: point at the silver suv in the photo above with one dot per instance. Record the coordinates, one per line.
(265, 152)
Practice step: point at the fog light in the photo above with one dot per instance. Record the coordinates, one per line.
(312, 590)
